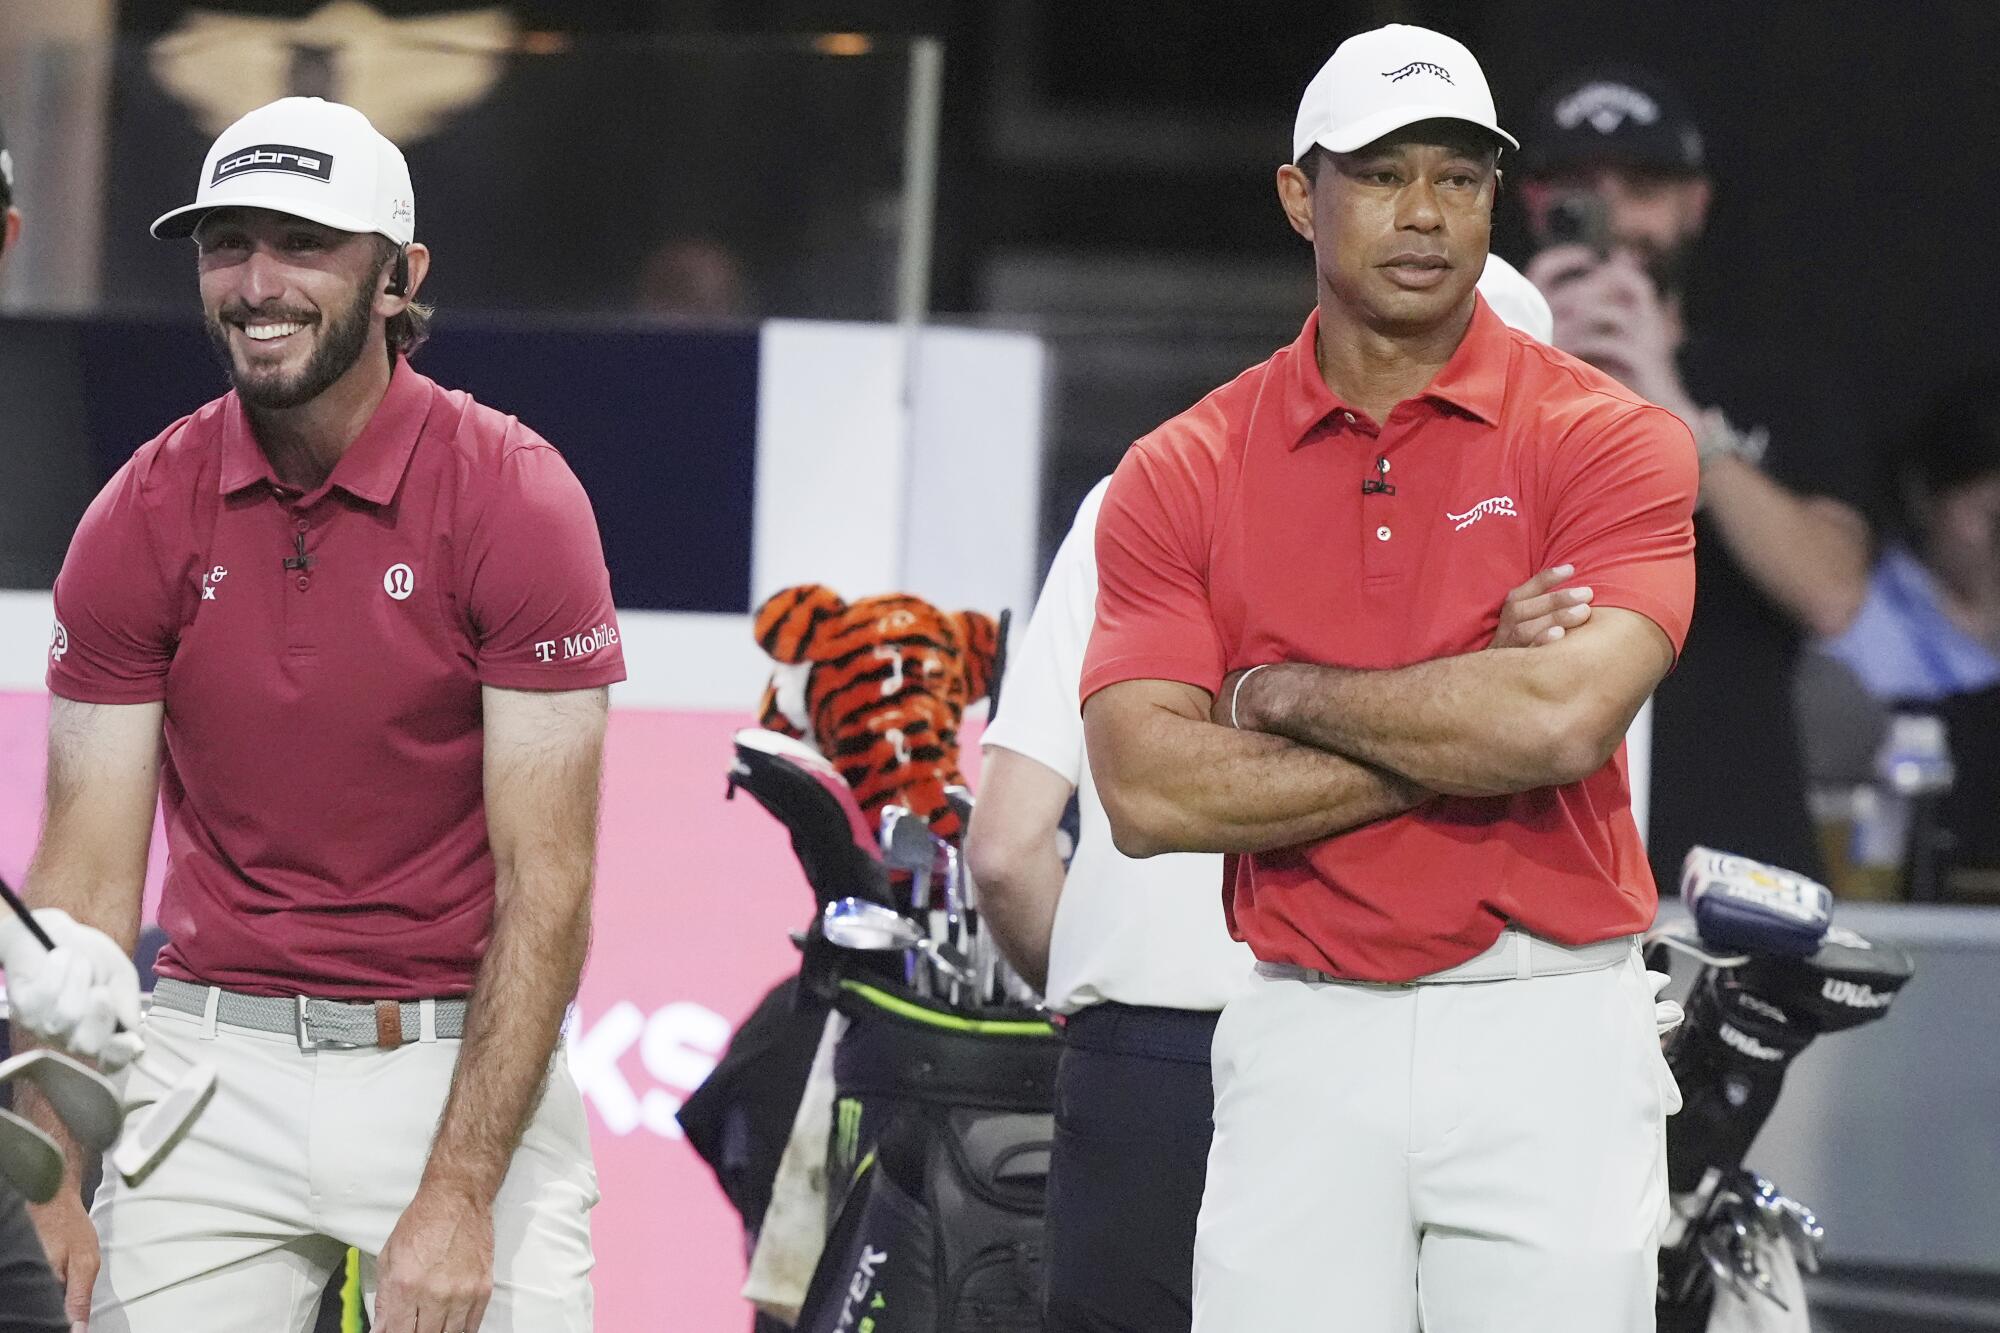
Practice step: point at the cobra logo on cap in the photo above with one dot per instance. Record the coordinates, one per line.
(282, 157)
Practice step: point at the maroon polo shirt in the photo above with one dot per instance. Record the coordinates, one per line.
(322, 786)
(1240, 532)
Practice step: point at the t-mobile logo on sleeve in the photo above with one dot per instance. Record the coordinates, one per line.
(576, 645)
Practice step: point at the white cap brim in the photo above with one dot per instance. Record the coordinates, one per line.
(183, 220)
(1368, 129)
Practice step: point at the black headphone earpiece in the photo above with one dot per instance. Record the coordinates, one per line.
(399, 280)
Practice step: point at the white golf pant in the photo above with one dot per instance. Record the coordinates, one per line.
(304, 1153)
(1470, 1157)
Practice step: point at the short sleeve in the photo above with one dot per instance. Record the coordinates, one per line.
(1622, 506)
(539, 595)
(116, 617)
(1039, 716)
(1153, 616)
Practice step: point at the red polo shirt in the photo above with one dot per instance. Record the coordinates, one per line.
(322, 788)
(1239, 533)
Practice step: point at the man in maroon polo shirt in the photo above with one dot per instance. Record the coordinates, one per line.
(355, 630)
(1443, 1099)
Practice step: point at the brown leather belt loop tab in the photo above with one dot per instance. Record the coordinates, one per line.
(388, 1024)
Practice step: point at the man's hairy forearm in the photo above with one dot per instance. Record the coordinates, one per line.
(1479, 725)
(90, 859)
(529, 975)
(543, 765)
(1192, 786)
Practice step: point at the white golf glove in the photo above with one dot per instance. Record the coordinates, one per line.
(75, 996)
(1667, 1014)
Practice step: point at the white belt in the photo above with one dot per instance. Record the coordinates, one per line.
(1515, 956)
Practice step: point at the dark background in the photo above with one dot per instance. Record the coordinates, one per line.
(1849, 263)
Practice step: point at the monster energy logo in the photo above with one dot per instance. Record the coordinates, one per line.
(847, 1133)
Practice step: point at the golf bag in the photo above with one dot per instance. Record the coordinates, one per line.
(942, 1129)
(1747, 1020)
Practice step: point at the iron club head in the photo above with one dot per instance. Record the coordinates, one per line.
(29, 1159)
(82, 1097)
(852, 923)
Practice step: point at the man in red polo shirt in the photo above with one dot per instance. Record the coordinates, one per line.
(355, 630)
(1443, 1098)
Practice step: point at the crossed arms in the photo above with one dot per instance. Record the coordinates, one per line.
(1320, 750)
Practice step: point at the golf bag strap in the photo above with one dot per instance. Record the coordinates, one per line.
(334, 1024)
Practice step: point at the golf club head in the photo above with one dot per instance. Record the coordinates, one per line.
(1738, 1232)
(949, 961)
(1714, 1246)
(1803, 1231)
(29, 1159)
(157, 1128)
(1784, 1219)
(1682, 939)
(854, 923)
(82, 1097)
(907, 843)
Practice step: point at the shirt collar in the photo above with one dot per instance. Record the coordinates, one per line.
(1474, 380)
(373, 466)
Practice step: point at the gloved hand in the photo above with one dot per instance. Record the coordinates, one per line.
(74, 996)
(1667, 1014)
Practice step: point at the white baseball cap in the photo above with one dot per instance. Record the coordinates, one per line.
(1516, 300)
(311, 158)
(1380, 81)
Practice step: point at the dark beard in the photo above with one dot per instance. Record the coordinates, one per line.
(340, 345)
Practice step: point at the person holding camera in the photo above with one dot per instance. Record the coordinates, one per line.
(1617, 190)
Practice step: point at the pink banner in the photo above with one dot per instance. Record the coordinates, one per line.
(695, 899)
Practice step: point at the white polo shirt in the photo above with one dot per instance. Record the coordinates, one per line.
(1134, 932)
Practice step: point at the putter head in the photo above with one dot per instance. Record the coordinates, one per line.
(82, 1097)
(854, 923)
(157, 1128)
(29, 1159)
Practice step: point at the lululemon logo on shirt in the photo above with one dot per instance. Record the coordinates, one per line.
(1503, 505)
(400, 581)
(59, 644)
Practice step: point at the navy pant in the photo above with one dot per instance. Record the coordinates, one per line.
(1134, 1109)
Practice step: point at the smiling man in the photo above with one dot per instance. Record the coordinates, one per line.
(1442, 1098)
(317, 619)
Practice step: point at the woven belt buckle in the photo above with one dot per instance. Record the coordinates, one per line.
(308, 1042)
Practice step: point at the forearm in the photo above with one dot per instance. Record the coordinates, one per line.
(1018, 904)
(1484, 724)
(541, 934)
(1173, 784)
(1808, 555)
(67, 875)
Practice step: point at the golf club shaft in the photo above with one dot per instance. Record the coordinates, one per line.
(20, 909)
